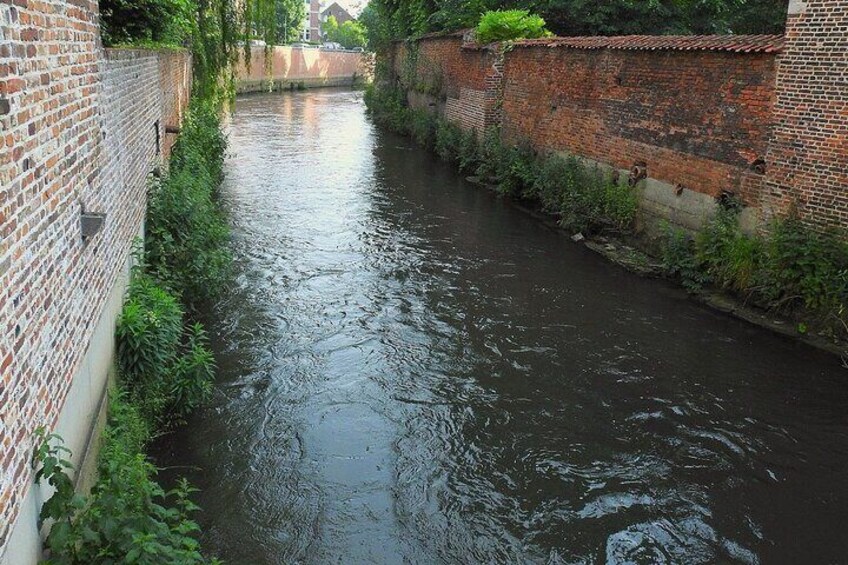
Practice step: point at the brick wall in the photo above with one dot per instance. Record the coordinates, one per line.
(463, 80)
(78, 131)
(280, 67)
(697, 118)
(698, 113)
(808, 157)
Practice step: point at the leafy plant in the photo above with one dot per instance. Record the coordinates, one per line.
(805, 268)
(506, 25)
(187, 235)
(468, 152)
(422, 128)
(167, 368)
(448, 141)
(678, 258)
(730, 257)
(128, 517)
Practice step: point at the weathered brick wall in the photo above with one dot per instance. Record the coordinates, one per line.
(78, 131)
(463, 80)
(696, 110)
(280, 67)
(697, 118)
(808, 156)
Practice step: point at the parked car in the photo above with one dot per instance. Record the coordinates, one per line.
(332, 45)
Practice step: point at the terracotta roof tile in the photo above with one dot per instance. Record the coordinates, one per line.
(732, 43)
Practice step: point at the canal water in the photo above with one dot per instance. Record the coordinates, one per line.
(414, 371)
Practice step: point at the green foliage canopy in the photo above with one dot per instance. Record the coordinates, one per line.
(350, 34)
(397, 19)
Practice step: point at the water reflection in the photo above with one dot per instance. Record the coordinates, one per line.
(413, 371)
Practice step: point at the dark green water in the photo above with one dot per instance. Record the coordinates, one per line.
(412, 371)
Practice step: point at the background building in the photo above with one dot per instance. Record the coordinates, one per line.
(338, 12)
(312, 21)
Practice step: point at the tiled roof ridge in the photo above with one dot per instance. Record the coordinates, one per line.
(732, 43)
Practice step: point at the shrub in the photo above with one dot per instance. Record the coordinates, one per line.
(128, 517)
(148, 331)
(619, 204)
(167, 368)
(388, 107)
(594, 201)
(187, 235)
(506, 25)
(729, 257)
(449, 139)
(422, 128)
(805, 268)
(468, 156)
(790, 267)
(555, 179)
(678, 258)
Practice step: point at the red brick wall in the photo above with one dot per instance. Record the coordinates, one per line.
(467, 79)
(77, 129)
(808, 157)
(697, 118)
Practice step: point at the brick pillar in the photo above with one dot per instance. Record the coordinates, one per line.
(807, 158)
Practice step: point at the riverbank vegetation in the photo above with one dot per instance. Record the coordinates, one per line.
(164, 371)
(788, 269)
(585, 198)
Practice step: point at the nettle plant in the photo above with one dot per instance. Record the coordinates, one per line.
(127, 518)
(166, 366)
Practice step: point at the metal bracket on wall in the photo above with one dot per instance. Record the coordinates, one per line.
(91, 224)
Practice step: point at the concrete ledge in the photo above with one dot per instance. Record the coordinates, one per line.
(278, 85)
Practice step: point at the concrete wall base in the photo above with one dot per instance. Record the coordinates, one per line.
(244, 85)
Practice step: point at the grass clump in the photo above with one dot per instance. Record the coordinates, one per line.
(789, 268)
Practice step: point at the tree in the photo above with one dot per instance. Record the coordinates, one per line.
(394, 19)
(290, 15)
(349, 35)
